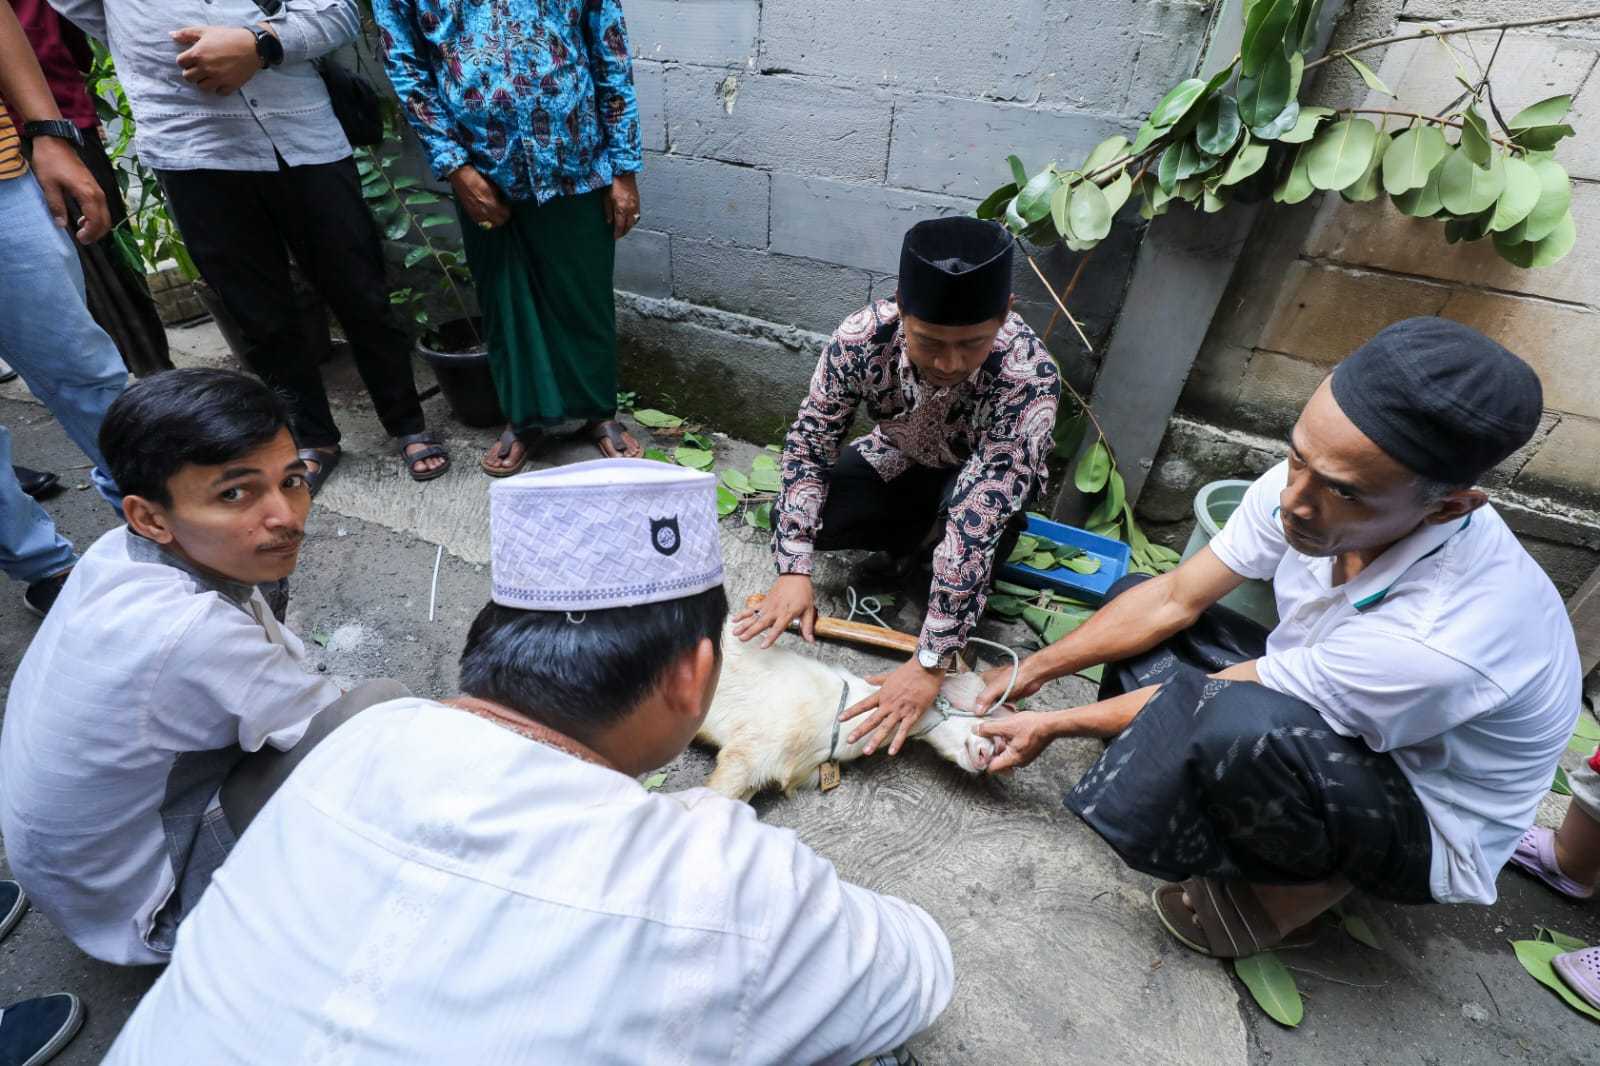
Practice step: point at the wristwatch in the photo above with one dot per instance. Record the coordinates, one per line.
(55, 127)
(268, 47)
(929, 659)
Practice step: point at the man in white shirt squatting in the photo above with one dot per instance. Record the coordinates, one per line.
(155, 709)
(1397, 728)
(483, 880)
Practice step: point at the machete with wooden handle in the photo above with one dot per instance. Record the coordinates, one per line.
(854, 632)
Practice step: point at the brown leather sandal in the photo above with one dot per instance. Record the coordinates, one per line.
(1226, 922)
(434, 450)
(326, 460)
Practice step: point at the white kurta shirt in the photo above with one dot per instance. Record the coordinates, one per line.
(139, 693)
(1452, 651)
(429, 887)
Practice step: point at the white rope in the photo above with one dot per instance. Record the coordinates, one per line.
(433, 593)
(870, 606)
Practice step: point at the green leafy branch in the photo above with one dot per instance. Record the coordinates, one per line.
(749, 492)
(401, 205)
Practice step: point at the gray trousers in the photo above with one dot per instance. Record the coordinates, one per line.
(260, 773)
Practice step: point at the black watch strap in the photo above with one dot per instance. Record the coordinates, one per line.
(268, 47)
(55, 127)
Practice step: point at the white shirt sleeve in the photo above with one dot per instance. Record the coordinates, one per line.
(223, 682)
(1251, 544)
(851, 973)
(1381, 685)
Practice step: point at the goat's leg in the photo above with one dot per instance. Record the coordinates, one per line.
(733, 776)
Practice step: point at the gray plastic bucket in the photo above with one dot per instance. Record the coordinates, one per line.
(1213, 505)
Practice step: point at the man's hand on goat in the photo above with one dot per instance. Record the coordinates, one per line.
(790, 598)
(1022, 737)
(905, 696)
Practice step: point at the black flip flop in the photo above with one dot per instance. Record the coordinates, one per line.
(434, 450)
(327, 459)
(529, 439)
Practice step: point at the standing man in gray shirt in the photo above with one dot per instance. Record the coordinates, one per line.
(235, 120)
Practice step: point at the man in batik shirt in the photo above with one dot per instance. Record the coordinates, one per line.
(964, 396)
(528, 110)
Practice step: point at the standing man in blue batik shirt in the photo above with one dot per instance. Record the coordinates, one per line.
(530, 114)
(238, 126)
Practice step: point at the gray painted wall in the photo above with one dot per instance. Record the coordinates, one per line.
(790, 143)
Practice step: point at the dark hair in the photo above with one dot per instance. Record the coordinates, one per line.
(578, 677)
(205, 417)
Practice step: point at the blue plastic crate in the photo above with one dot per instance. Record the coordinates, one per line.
(1090, 588)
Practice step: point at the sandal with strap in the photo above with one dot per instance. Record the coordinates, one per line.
(530, 439)
(1226, 922)
(434, 450)
(326, 460)
(611, 432)
(1536, 855)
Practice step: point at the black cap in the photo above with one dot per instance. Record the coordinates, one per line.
(955, 271)
(1440, 398)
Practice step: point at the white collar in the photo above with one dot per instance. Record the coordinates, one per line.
(1368, 588)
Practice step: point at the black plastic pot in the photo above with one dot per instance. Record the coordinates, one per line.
(461, 364)
(312, 311)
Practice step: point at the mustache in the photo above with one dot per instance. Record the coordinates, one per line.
(283, 542)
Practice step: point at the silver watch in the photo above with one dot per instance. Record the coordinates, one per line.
(929, 659)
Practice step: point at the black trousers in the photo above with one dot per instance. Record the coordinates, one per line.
(1232, 780)
(118, 296)
(242, 226)
(905, 516)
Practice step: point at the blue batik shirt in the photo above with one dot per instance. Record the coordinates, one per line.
(537, 94)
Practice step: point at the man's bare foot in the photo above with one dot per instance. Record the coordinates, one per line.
(1289, 907)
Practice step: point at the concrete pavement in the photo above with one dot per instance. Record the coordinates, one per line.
(1058, 957)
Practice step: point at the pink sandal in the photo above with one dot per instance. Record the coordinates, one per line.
(1536, 854)
(1580, 971)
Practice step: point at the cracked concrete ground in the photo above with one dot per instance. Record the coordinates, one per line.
(1059, 960)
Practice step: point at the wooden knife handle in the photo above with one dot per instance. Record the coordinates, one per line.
(854, 632)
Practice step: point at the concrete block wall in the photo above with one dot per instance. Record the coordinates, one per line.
(1316, 280)
(789, 146)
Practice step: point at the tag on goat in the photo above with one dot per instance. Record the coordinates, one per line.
(828, 776)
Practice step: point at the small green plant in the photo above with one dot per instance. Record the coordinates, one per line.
(148, 238)
(408, 216)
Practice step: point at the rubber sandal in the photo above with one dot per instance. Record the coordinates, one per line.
(612, 432)
(1232, 922)
(1580, 971)
(327, 460)
(1536, 855)
(434, 450)
(503, 447)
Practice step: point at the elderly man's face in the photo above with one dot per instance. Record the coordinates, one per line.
(1345, 494)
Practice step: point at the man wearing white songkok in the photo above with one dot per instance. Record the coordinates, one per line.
(483, 880)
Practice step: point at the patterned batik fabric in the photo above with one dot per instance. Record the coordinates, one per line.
(1234, 781)
(537, 96)
(996, 427)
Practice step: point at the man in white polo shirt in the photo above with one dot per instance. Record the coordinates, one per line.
(1397, 728)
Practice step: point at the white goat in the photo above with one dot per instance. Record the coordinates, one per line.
(773, 720)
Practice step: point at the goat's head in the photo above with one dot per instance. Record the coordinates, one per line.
(956, 737)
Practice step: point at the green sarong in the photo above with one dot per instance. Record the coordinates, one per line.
(549, 314)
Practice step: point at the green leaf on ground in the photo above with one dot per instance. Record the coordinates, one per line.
(693, 458)
(650, 418)
(1412, 156)
(1560, 786)
(727, 502)
(659, 456)
(655, 781)
(759, 517)
(699, 440)
(319, 637)
(736, 482)
(1270, 982)
(764, 461)
(765, 478)
(1013, 589)
(1093, 469)
(1360, 931)
(1535, 956)
(1093, 673)
(1007, 607)
(1587, 727)
(1560, 940)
